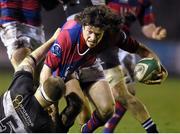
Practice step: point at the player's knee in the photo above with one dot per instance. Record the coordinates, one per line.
(127, 97)
(132, 101)
(106, 111)
(128, 100)
(131, 89)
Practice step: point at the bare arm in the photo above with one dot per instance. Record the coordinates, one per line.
(154, 32)
(29, 63)
(144, 51)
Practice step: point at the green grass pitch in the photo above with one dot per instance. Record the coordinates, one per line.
(162, 102)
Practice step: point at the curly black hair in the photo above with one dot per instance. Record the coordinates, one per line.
(99, 16)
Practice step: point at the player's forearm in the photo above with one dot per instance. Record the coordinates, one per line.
(29, 63)
(143, 51)
(40, 52)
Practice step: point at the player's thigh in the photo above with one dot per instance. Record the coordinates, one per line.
(129, 80)
(115, 77)
(101, 96)
(90, 74)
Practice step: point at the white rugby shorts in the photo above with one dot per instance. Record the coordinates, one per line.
(124, 71)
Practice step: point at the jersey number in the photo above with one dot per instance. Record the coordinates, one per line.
(7, 123)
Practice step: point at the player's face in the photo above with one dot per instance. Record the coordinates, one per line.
(92, 35)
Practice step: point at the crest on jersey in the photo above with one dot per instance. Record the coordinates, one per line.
(123, 1)
(56, 50)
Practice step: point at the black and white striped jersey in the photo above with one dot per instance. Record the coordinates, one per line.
(20, 111)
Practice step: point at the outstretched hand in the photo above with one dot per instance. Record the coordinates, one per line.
(158, 77)
(159, 33)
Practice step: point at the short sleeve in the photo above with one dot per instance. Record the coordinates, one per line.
(52, 59)
(127, 43)
(57, 52)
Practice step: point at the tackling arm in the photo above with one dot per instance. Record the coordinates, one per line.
(144, 52)
(29, 63)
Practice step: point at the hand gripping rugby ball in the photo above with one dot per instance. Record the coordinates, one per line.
(146, 68)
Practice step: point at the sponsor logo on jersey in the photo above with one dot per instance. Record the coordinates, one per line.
(56, 50)
(17, 102)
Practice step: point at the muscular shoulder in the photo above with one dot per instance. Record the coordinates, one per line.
(125, 42)
(117, 37)
(70, 33)
(68, 37)
(71, 24)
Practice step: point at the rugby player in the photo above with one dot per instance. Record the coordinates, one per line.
(22, 106)
(131, 10)
(74, 52)
(21, 28)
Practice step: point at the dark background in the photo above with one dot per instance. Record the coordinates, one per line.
(167, 15)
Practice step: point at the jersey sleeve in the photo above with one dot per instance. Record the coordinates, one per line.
(147, 15)
(52, 60)
(55, 54)
(127, 43)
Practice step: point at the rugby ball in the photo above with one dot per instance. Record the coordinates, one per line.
(146, 68)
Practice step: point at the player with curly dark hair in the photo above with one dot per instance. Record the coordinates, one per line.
(73, 54)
